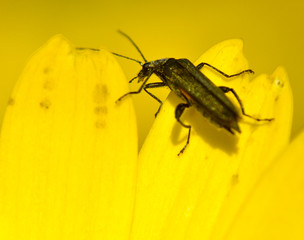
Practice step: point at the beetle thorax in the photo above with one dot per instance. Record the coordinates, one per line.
(149, 67)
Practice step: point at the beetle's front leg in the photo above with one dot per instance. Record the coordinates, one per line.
(178, 112)
(134, 92)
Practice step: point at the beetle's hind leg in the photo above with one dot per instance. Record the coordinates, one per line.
(227, 89)
(178, 112)
(199, 67)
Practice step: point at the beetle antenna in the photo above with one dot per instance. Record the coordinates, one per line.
(134, 44)
(135, 60)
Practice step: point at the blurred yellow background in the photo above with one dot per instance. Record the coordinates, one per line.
(272, 32)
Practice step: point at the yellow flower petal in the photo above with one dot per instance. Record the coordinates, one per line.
(262, 146)
(68, 152)
(187, 197)
(275, 209)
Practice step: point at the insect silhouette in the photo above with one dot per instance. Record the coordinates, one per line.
(193, 87)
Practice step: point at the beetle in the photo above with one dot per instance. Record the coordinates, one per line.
(193, 87)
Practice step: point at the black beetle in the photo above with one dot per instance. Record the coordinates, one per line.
(193, 87)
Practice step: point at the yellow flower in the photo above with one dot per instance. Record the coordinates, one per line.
(69, 167)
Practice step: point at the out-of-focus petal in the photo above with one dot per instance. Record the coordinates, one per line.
(68, 152)
(274, 209)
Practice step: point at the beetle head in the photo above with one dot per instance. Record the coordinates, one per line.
(145, 72)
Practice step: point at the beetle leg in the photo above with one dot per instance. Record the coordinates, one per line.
(227, 89)
(155, 85)
(135, 92)
(178, 112)
(199, 66)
